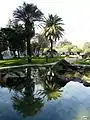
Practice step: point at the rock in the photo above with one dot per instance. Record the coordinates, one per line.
(63, 67)
(60, 68)
(13, 76)
(9, 75)
(86, 83)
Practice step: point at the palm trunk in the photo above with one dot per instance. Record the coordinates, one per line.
(51, 48)
(29, 50)
(18, 54)
(28, 27)
(51, 45)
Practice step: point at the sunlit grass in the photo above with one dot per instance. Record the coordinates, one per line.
(22, 61)
(13, 62)
(83, 61)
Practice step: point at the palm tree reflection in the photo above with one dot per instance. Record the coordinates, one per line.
(50, 91)
(51, 88)
(26, 100)
(26, 103)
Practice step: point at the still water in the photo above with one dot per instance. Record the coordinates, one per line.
(32, 94)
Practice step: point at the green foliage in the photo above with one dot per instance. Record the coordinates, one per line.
(53, 28)
(42, 41)
(28, 14)
(15, 37)
(76, 50)
(87, 50)
(64, 46)
(3, 42)
(86, 45)
(68, 47)
(64, 43)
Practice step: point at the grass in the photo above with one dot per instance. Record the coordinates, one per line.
(22, 61)
(83, 62)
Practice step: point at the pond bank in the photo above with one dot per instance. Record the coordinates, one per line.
(40, 65)
(28, 65)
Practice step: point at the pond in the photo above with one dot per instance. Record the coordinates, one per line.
(32, 94)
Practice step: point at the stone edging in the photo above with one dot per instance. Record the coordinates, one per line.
(28, 65)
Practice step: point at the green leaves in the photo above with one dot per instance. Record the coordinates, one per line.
(53, 28)
(27, 11)
(3, 42)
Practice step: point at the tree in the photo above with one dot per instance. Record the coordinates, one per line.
(64, 43)
(42, 41)
(86, 50)
(28, 14)
(3, 43)
(76, 50)
(53, 29)
(18, 41)
(68, 48)
(35, 48)
(64, 46)
(86, 45)
(15, 37)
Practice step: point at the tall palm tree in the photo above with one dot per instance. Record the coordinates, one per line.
(53, 28)
(28, 14)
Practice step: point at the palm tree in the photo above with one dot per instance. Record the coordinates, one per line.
(28, 14)
(53, 28)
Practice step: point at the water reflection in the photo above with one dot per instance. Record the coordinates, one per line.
(51, 89)
(35, 92)
(26, 103)
(26, 100)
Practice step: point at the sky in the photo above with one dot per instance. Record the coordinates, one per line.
(75, 15)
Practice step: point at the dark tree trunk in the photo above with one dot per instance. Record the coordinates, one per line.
(51, 47)
(18, 53)
(29, 34)
(14, 53)
(29, 50)
(38, 52)
(1, 56)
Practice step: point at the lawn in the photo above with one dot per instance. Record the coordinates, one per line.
(22, 61)
(83, 62)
